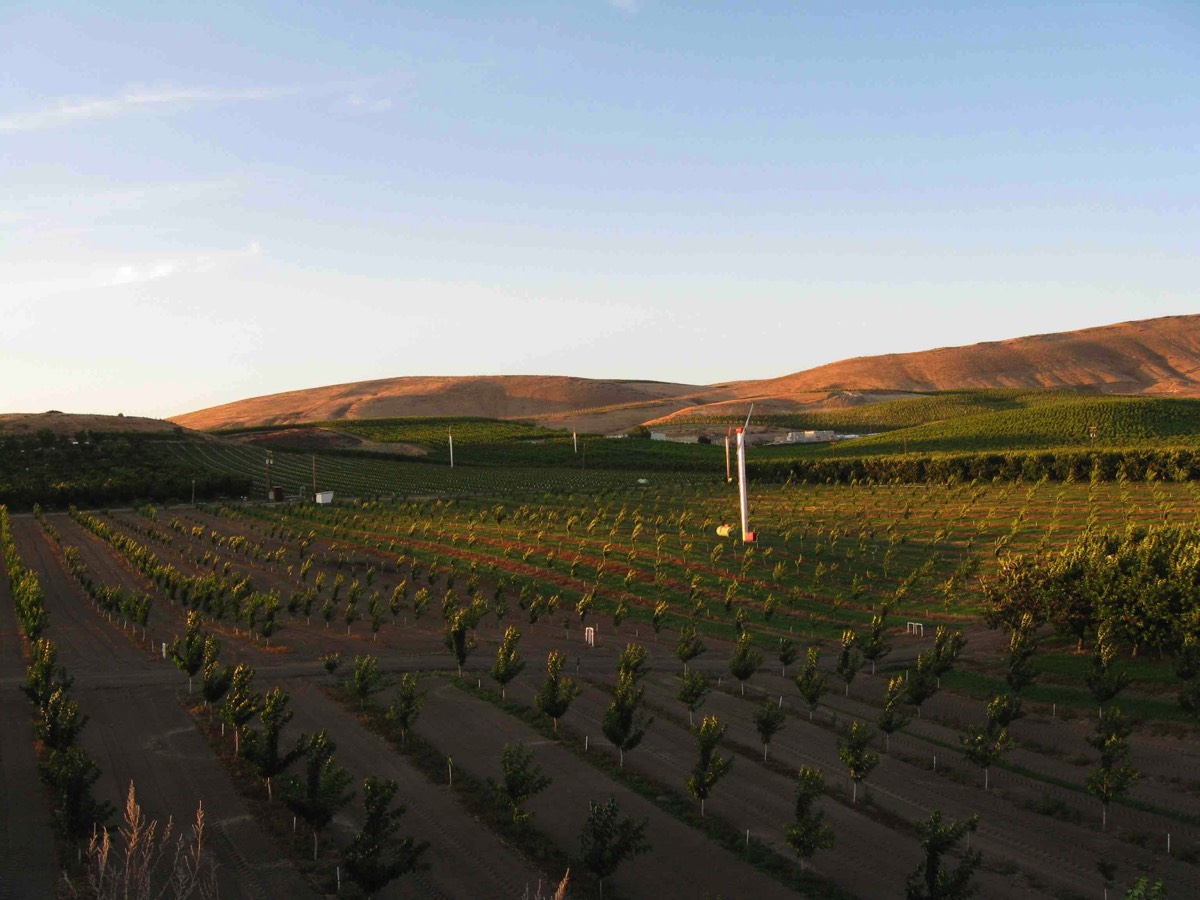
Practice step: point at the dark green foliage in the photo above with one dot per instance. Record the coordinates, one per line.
(745, 660)
(692, 691)
(689, 646)
(508, 663)
(809, 832)
(607, 841)
(407, 705)
(769, 720)
(366, 680)
(321, 791)
(853, 752)
(377, 855)
(523, 779)
(263, 748)
(932, 880)
(70, 775)
(557, 691)
(812, 683)
(57, 723)
(241, 703)
(710, 766)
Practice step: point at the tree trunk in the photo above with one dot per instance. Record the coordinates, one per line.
(854, 793)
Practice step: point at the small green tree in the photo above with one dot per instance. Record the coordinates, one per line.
(923, 683)
(607, 841)
(692, 692)
(787, 654)
(330, 662)
(409, 699)
(241, 703)
(689, 645)
(812, 683)
(321, 791)
(875, 646)
(1103, 680)
(188, 653)
(458, 639)
(558, 691)
(263, 748)
(1114, 776)
(947, 647)
(509, 663)
(366, 680)
(710, 766)
(624, 723)
(58, 723)
(932, 880)
(856, 757)
(70, 774)
(808, 832)
(377, 856)
(1022, 647)
(745, 660)
(985, 746)
(658, 618)
(769, 720)
(523, 779)
(849, 659)
(214, 677)
(893, 716)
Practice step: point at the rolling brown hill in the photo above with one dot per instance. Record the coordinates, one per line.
(1153, 356)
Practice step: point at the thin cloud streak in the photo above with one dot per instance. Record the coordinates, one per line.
(68, 112)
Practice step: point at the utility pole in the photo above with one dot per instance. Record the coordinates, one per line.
(314, 462)
(269, 462)
(450, 437)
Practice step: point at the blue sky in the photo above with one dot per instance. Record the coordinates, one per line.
(205, 202)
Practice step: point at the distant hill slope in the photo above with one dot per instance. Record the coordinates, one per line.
(1154, 356)
(69, 424)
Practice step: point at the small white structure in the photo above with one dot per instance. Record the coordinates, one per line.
(324, 498)
(809, 437)
(658, 435)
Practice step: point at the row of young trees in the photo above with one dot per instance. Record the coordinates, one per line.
(377, 855)
(64, 767)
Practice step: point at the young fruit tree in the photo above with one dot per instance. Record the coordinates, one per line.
(893, 716)
(745, 660)
(689, 646)
(407, 705)
(188, 652)
(769, 720)
(320, 792)
(1103, 680)
(932, 880)
(523, 779)
(849, 659)
(875, 646)
(856, 757)
(377, 855)
(624, 724)
(509, 663)
(263, 748)
(947, 646)
(366, 680)
(922, 684)
(710, 766)
(1114, 776)
(787, 654)
(214, 677)
(558, 691)
(985, 746)
(607, 841)
(692, 691)
(812, 683)
(458, 638)
(241, 703)
(808, 832)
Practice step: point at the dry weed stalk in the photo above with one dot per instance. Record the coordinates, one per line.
(149, 864)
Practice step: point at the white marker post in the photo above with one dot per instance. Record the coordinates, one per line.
(450, 438)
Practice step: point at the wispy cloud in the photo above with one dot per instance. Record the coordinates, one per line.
(67, 112)
(362, 104)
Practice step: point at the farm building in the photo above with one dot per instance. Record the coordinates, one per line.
(809, 437)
